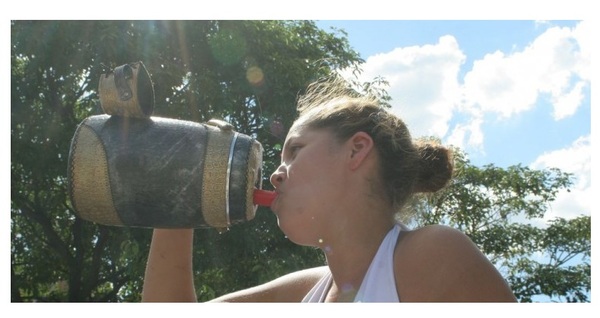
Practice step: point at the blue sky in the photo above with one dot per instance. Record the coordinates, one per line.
(505, 92)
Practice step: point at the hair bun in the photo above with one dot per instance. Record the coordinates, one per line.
(436, 167)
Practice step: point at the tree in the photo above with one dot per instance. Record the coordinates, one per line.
(248, 72)
(495, 207)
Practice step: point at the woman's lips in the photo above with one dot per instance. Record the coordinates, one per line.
(264, 197)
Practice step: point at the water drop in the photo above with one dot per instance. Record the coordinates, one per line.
(222, 230)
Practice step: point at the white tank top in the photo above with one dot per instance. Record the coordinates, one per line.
(379, 283)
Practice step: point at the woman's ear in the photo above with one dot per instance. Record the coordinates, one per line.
(361, 144)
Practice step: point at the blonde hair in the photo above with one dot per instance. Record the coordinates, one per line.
(406, 166)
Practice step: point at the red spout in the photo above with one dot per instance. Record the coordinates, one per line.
(264, 197)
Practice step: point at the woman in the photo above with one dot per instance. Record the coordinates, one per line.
(348, 166)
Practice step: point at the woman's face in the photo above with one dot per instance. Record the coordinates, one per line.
(309, 183)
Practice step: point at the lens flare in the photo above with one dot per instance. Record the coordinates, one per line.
(255, 76)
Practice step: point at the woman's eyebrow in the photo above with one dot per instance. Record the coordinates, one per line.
(289, 142)
(286, 144)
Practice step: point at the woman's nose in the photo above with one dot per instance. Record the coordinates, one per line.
(277, 177)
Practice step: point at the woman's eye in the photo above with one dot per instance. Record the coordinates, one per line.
(294, 150)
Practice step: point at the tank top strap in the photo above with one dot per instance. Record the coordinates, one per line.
(318, 293)
(379, 283)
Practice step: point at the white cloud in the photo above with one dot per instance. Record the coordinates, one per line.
(576, 159)
(467, 134)
(566, 104)
(583, 35)
(423, 83)
(555, 64)
(427, 93)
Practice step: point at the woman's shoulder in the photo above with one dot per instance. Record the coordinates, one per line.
(436, 236)
(440, 263)
(435, 243)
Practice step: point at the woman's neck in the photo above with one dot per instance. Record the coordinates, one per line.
(350, 252)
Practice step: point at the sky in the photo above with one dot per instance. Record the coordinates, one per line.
(505, 92)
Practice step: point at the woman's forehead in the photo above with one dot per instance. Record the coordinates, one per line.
(306, 133)
(301, 125)
(297, 130)
(302, 122)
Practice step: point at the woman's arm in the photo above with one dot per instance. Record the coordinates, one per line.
(169, 274)
(288, 288)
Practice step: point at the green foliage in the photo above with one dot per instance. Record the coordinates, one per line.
(565, 273)
(247, 72)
